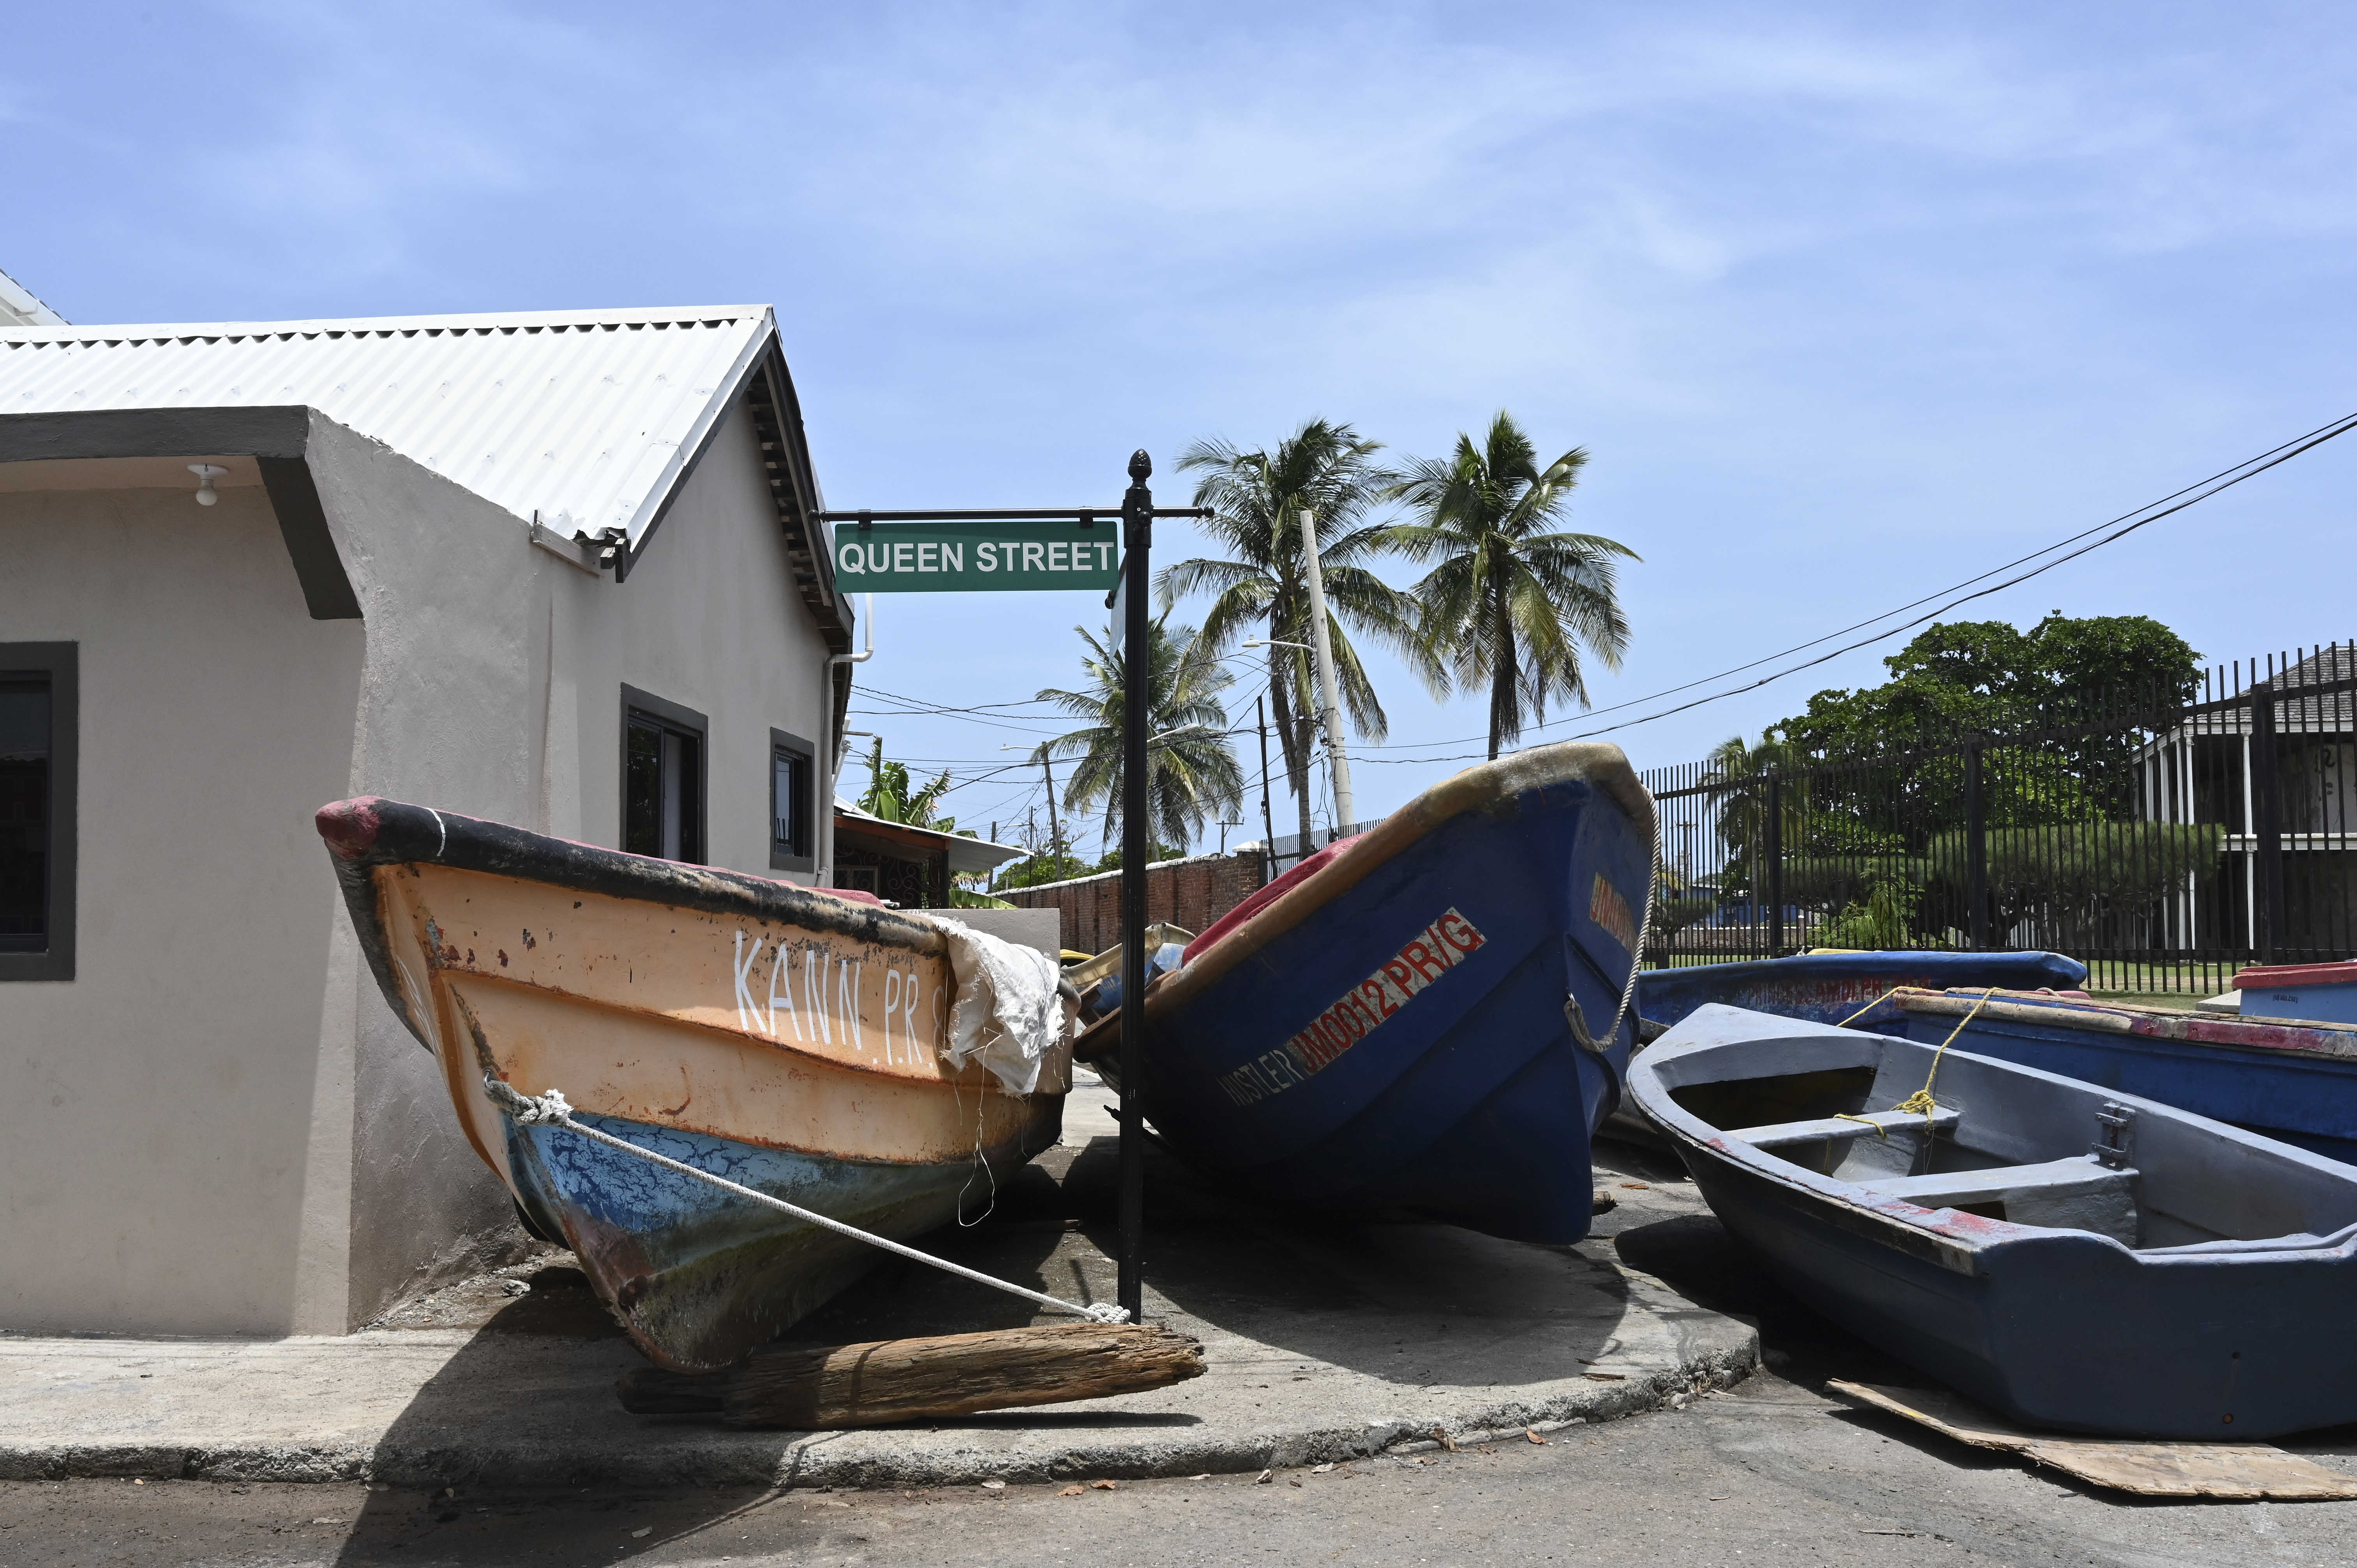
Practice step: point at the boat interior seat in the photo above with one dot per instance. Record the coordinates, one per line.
(2076, 1194)
(1834, 1129)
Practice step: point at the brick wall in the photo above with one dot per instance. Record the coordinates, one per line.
(1191, 893)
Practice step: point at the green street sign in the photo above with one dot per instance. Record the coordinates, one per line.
(967, 558)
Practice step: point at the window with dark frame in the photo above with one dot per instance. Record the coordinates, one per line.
(37, 730)
(24, 820)
(662, 779)
(794, 816)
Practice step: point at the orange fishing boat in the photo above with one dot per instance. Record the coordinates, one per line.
(791, 1040)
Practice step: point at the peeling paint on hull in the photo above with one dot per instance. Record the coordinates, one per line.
(786, 1039)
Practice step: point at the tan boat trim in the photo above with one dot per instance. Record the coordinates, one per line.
(2339, 1041)
(1595, 762)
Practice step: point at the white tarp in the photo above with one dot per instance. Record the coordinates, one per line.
(1008, 1014)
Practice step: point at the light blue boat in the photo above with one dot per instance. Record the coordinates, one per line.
(2070, 1256)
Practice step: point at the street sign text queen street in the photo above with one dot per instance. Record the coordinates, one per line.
(938, 558)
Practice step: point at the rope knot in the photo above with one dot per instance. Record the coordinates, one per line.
(529, 1109)
(1105, 1312)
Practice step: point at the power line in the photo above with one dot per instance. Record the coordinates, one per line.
(2151, 512)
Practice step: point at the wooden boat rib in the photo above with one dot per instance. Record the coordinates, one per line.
(1423, 1016)
(2073, 1257)
(788, 1039)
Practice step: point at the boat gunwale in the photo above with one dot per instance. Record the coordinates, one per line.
(2295, 1037)
(371, 831)
(1600, 763)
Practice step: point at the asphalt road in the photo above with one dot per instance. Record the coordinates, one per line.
(1768, 1474)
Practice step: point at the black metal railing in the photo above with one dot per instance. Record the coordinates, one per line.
(2165, 837)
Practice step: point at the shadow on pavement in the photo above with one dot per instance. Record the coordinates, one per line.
(536, 1380)
(1696, 1254)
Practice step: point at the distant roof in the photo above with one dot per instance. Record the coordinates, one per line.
(587, 418)
(18, 307)
(966, 855)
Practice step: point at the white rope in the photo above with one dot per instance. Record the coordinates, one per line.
(551, 1110)
(1644, 929)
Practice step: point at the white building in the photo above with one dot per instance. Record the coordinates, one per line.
(558, 569)
(2213, 764)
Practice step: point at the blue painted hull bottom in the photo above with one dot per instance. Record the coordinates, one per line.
(1297, 1077)
(2050, 1332)
(2185, 1280)
(1827, 988)
(2310, 1101)
(683, 1262)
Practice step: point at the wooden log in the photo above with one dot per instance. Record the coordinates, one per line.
(813, 1388)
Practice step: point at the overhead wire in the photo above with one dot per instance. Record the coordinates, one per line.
(2151, 512)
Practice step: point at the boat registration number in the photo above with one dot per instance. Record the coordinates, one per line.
(1421, 959)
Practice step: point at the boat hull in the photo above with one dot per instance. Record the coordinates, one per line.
(2294, 1084)
(1406, 1041)
(693, 1272)
(2054, 1324)
(2072, 1332)
(785, 1040)
(1827, 988)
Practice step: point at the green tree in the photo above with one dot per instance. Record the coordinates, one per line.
(1256, 499)
(889, 796)
(1059, 867)
(1192, 770)
(1986, 675)
(1512, 598)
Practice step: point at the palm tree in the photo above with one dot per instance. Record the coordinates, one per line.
(889, 796)
(1512, 599)
(1256, 499)
(1192, 770)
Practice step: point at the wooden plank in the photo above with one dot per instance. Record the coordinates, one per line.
(826, 1386)
(2225, 1470)
(1878, 1123)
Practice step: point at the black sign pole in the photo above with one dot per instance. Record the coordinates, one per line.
(1136, 664)
(1138, 514)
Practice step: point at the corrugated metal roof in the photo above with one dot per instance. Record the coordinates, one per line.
(585, 417)
(966, 855)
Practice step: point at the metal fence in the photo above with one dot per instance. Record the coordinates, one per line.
(2164, 838)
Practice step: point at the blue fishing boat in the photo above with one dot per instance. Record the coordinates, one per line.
(792, 1041)
(1432, 1015)
(1827, 987)
(2292, 1081)
(2070, 1256)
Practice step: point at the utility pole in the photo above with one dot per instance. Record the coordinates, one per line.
(1323, 645)
(1055, 833)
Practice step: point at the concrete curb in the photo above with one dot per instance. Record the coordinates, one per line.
(678, 1454)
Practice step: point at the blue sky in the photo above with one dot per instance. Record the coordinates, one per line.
(1847, 301)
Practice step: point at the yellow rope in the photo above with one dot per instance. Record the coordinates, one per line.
(1869, 1007)
(1921, 1102)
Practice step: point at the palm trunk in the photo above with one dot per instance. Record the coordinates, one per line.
(1502, 675)
(1293, 738)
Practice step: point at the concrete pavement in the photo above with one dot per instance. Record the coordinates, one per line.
(1324, 1342)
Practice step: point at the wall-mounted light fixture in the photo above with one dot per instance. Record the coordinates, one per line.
(206, 474)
